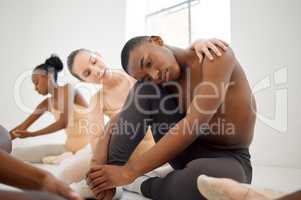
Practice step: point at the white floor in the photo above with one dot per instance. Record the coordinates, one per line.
(280, 179)
(277, 178)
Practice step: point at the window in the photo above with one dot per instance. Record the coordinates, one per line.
(179, 22)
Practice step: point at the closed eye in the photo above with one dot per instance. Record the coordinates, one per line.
(148, 64)
(87, 73)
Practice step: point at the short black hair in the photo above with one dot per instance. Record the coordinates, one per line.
(52, 65)
(71, 57)
(128, 47)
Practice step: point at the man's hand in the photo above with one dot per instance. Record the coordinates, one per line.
(99, 195)
(104, 195)
(104, 177)
(204, 46)
(52, 185)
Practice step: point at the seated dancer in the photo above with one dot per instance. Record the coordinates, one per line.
(201, 114)
(89, 67)
(68, 108)
(36, 183)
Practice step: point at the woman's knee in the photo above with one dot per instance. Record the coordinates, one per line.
(5, 140)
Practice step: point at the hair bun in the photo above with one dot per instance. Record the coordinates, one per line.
(55, 62)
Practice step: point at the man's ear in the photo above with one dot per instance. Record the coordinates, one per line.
(156, 40)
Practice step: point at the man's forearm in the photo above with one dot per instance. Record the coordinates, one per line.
(175, 141)
(18, 174)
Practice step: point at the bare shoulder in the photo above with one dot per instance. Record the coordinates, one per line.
(125, 77)
(227, 57)
(221, 64)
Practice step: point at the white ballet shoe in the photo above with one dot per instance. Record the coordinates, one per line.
(56, 159)
(226, 189)
(206, 188)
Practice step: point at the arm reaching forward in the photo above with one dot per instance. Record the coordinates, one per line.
(19, 174)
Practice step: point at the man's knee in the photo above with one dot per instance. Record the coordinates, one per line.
(218, 167)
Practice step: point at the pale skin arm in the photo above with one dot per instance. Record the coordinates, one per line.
(177, 139)
(99, 140)
(25, 176)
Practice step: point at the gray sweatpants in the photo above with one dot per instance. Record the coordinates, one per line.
(148, 105)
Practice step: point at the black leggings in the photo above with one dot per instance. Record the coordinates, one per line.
(149, 105)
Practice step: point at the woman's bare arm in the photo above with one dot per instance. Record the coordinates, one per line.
(99, 138)
(38, 112)
(62, 122)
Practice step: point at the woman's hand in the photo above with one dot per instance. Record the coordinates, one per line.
(204, 46)
(12, 135)
(104, 177)
(21, 134)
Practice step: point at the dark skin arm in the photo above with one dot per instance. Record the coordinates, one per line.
(24, 176)
(56, 126)
(181, 136)
(38, 112)
(63, 120)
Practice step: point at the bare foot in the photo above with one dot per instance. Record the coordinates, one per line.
(226, 189)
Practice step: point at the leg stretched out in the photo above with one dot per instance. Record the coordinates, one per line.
(35, 154)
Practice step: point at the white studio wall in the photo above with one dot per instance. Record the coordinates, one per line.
(31, 30)
(266, 38)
